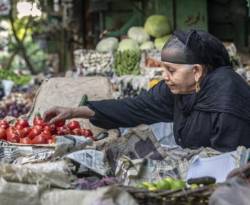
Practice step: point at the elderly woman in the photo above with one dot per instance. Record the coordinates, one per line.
(208, 102)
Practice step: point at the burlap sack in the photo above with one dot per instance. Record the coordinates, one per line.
(68, 92)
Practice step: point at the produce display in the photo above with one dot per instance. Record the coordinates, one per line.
(129, 86)
(167, 183)
(17, 79)
(15, 104)
(40, 132)
(127, 62)
(92, 62)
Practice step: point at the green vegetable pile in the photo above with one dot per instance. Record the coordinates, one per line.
(127, 62)
(17, 79)
(167, 183)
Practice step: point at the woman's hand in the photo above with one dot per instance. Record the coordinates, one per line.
(56, 114)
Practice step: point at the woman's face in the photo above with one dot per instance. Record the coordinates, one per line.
(180, 78)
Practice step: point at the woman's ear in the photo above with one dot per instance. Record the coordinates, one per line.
(198, 72)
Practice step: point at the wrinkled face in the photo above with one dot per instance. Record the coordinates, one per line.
(180, 78)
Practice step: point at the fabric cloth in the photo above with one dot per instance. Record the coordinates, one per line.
(195, 47)
(218, 116)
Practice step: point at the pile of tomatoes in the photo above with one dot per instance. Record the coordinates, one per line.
(41, 132)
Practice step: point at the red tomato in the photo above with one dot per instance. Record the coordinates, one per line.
(4, 124)
(52, 140)
(47, 128)
(12, 135)
(34, 132)
(20, 133)
(73, 125)
(45, 135)
(38, 127)
(25, 140)
(59, 123)
(18, 127)
(22, 123)
(39, 139)
(86, 132)
(2, 134)
(77, 131)
(26, 131)
(38, 120)
(52, 128)
(47, 132)
(62, 131)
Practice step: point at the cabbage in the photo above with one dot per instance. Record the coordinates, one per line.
(160, 42)
(157, 26)
(107, 45)
(147, 45)
(128, 44)
(138, 34)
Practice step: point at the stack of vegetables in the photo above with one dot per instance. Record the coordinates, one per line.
(40, 132)
(15, 104)
(154, 34)
(92, 62)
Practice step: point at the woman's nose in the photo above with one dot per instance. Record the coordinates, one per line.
(166, 76)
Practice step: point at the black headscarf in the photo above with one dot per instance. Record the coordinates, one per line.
(195, 47)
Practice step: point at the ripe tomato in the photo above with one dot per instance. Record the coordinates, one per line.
(73, 125)
(77, 131)
(2, 134)
(34, 132)
(4, 124)
(18, 127)
(86, 132)
(47, 132)
(47, 128)
(45, 135)
(52, 128)
(20, 133)
(62, 131)
(39, 139)
(12, 135)
(26, 131)
(52, 140)
(38, 120)
(25, 140)
(38, 127)
(22, 123)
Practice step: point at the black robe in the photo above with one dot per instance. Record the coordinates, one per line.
(218, 116)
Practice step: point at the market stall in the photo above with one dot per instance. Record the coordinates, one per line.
(74, 161)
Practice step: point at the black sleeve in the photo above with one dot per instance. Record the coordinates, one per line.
(229, 132)
(153, 106)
